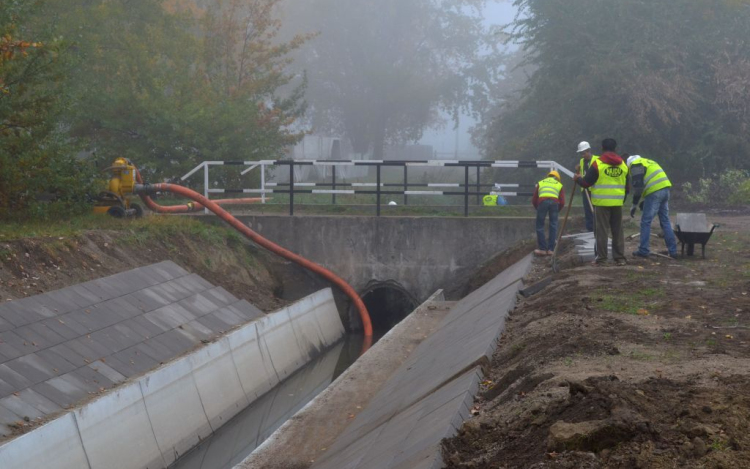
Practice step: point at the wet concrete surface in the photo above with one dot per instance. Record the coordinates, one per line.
(308, 436)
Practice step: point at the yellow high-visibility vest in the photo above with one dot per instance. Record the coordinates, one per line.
(550, 187)
(609, 190)
(580, 165)
(489, 200)
(583, 171)
(655, 178)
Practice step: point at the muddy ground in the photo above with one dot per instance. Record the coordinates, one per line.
(642, 366)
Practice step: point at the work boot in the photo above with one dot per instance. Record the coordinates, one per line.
(670, 254)
(549, 253)
(637, 254)
(540, 253)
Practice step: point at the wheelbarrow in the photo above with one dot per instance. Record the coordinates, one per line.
(692, 229)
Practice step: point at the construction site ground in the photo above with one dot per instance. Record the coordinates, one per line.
(641, 366)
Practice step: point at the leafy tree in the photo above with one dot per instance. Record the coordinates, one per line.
(667, 78)
(382, 71)
(169, 84)
(39, 173)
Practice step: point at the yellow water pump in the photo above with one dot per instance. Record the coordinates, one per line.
(115, 201)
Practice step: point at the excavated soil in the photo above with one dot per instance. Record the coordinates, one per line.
(31, 266)
(642, 366)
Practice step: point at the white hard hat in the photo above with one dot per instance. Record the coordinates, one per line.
(392, 203)
(632, 159)
(583, 146)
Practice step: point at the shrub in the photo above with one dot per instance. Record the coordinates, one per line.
(729, 188)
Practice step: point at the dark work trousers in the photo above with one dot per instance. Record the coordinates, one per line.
(587, 210)
(547, 206)
(609, 219)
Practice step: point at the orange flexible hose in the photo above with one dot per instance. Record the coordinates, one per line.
(194, 207)
(258, 239)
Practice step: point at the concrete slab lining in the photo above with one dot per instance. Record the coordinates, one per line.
(161, 390)
(431, 394)
(60, 440)
(218, 383)
(153, 419)
(116, 431)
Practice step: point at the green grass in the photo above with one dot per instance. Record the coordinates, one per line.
(618, 304)
(651, 293)
(630, 302)
(136, 231)
(719, 445)
(56, 228)
(641, 356)
(641, 274)
(667, 336)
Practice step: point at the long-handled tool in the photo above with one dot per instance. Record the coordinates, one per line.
(555, 267)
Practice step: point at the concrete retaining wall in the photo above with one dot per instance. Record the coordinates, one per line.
(155, 419)
(422, 254)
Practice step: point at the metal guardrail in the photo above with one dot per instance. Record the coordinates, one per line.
(333, 188)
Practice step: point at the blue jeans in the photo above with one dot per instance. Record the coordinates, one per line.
(587, 211)
(547, 206)
(653, 204)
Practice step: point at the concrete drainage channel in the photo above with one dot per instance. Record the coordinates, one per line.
(148, 422)
(424, 399)
(210, 408)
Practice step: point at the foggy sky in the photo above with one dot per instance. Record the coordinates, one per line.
(444, 140)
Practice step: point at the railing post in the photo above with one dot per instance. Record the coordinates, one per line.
(479, 187)
(205, 184)
(466, 190)
(406, 184)
(333, 180)
(377, 189)
(291, 189)
(263, 183)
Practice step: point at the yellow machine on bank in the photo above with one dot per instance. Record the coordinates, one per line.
(115, 201)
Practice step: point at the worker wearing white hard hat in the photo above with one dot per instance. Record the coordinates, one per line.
(584, 150)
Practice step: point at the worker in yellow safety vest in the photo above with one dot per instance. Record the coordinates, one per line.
(649, 181)
(584, 150)
(607, 177)
(549, 198)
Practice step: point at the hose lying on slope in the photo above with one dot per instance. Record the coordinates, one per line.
(195, 206)
(145, 189)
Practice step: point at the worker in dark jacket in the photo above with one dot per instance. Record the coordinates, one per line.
(549, 198)
(650, 181)
(607, 177)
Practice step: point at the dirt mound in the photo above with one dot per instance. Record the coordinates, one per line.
(31, 266)
(623, 367)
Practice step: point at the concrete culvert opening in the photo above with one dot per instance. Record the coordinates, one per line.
(388, 303)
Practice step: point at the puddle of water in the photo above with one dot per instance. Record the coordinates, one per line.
(239, 437)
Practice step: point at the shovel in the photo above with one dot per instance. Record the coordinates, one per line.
(555, 266)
